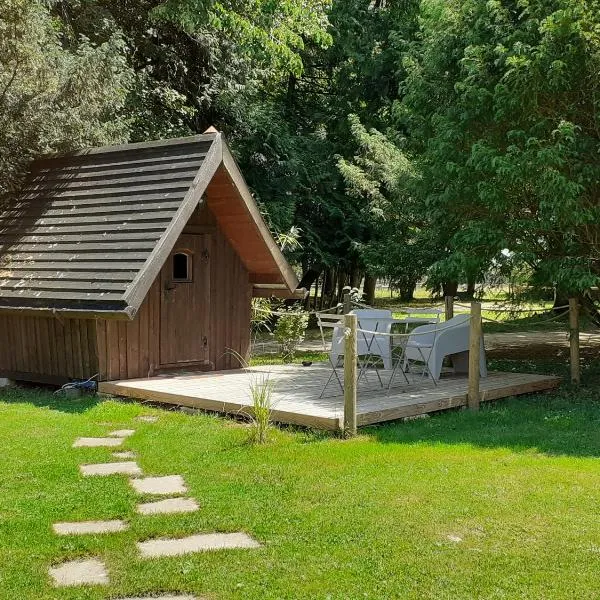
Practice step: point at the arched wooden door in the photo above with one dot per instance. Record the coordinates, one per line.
(185, 302)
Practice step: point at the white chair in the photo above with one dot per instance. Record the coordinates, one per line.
(368, 344)
(327, 320)
(430, 344)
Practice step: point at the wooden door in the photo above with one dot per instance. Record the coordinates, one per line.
(185, 302)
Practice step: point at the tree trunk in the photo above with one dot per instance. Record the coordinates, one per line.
(355, 277)
(449, 288)
(369, 289)
(407, 293)
(471, 288)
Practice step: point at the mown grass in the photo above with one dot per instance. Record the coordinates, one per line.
(497, 504)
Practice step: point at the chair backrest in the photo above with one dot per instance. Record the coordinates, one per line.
(454, 322)
(427, 334)
(374, 319)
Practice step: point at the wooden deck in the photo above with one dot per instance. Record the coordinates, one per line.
(296, 393)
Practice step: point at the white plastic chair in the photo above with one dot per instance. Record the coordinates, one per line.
(430, 344)
(368, 344)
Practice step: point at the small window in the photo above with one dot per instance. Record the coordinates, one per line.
(182, 267)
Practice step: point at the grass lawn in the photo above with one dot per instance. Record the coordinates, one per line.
(500, 504)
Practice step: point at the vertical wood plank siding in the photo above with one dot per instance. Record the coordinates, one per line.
(132, 350)
(47, 349)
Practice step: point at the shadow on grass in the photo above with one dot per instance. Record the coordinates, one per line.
(45, 397)
(565, 422)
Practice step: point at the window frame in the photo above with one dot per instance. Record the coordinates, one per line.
(189, 266)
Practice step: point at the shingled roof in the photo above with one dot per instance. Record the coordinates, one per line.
(89, 231)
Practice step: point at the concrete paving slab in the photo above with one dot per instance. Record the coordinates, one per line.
(79, 572)
(89, 527)
(124, 454)
(97, 442)
(122, 433)
(180, 597)
(147, 418)
(123, 468)
(168, 485)
(195, 543)
(168, 506)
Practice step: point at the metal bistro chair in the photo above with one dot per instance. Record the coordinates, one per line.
(370, 342)
(335, 322)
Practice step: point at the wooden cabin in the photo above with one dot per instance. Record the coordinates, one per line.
(123, 261)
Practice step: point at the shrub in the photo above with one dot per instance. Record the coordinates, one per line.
(289, 332)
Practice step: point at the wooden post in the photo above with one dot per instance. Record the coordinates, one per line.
(448, 307)
(350, 358)
(347, 301)
(473, 396)
(574, 340)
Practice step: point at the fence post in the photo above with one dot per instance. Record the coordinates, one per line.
(448, 307)
(574, 340)
(474, 396)
(350, 358)
(347, 301)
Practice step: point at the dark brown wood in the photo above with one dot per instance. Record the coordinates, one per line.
(81, 250)
(574, 340)
(184, 320)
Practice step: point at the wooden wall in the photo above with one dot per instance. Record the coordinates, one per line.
(52, 350)
(129, 350)
(47, 349)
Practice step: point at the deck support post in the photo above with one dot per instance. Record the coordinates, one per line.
(475, 331)
(347, 301)
(448, 307)
(574, 340)
(350, 361)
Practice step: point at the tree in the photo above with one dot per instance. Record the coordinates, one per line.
(52, 99)
(502, 106)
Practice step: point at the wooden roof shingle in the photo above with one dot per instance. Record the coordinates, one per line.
(89, 232)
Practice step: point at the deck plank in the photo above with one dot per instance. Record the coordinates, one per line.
(297, 389)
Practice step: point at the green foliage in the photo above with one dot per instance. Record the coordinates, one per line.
(52, 98)
(502, 105)
(289, 332)
(261, 315)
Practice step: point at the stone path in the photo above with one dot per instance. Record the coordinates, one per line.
(97, 442)
(92, 571)
(84, 527)
(167, 485)
(124, 454)
(195, 543)
(80, 572)
(118, 468)
(172, 505)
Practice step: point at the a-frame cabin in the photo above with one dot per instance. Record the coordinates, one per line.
(124, 261)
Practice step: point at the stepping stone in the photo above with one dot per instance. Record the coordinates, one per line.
(124, 454)
(122, 433)
(85, 527)
(97, 442)
(184, 597)
(195, 543)
(171, 505)
(147, 419)
(79, 572)
(123, 468)
(167, 486)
